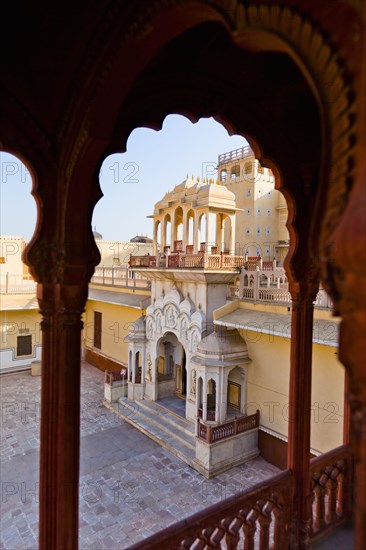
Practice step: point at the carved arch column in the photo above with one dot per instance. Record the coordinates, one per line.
(347, 269)
(62, 257)
(303, 295)
(61, 307)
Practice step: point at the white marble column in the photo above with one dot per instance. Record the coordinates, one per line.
(232, 233)
(185, 231)
(173, 231)
(208, 231)
(196, 232)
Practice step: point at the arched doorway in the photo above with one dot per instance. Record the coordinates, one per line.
(171, 368)
(211, 399)
(183, 388)
(236, 392)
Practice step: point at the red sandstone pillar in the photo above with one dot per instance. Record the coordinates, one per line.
(347, 410)
(61, 308)
(299, 415)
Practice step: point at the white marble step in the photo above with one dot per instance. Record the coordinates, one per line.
(141, 410)
(169, 416)
(155, 427)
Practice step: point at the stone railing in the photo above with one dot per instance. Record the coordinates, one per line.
(331, 479)
(274, 295)
(191, 261)
(214, 261)
(261, 518)
(201, 260)
(267, 285)
(143, 261)
(212, 434)
(258, 518)
(236, 154)
(211, 415)
(173, 260)
(119, 277)
(110, 377)
(17, 284)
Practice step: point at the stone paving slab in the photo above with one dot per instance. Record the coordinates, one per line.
(130, 487)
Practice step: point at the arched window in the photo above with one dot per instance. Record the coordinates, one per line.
(235, 173)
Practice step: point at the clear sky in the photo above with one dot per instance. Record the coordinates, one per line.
(131, 182)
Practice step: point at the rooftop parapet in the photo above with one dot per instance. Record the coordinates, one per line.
(236, 154)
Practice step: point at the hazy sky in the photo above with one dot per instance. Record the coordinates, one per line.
(131, 182)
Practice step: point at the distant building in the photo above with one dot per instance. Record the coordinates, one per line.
(261, 210)
(240, 213)
(117, 253)
(20, 336)
(141, 239)
(216, 334)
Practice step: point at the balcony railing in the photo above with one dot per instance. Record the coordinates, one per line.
(331, 478)
(201, 260)
(236, 154)
(262, 517)
(212, 434)
(110, 377)
(258, 518)
(270, 285)
(119, 277)
(211, 416)
(17, 284)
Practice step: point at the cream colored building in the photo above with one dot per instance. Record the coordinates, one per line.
(21, 337)
(194, 323)
(109, 315)
(117, 253)
(216, 334)
(262, 210)
(245, 215)
(12, 270)
(19, 319)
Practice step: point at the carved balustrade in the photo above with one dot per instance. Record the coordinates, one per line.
(248, 293)
(17, 284)
(270, 285)
(173, 260)
(200, 260)
(331, 479)
(191, 260)
(110, 377)
(274, 295)
(213, 261)
(236, 154)
(121, 276)
(143, 261)
(262, 517)
(269, 265)
(211, 415)
(212, 434)
(228, 261)
(258, 518)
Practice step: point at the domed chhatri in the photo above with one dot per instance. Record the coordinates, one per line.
(222, 345)
(97, 236)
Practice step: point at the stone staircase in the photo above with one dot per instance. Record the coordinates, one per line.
(171, 431)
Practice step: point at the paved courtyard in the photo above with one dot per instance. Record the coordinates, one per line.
(130, 487)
